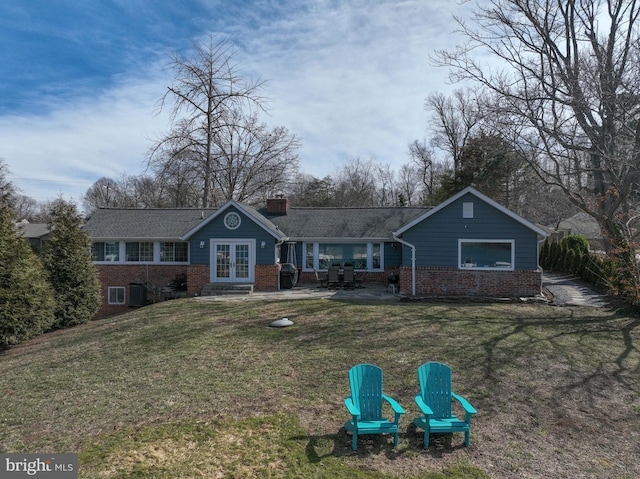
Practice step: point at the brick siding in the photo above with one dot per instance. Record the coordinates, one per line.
(155, 276)
(455, 282)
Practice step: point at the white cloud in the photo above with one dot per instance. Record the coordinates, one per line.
(78, 142)
(349, 78)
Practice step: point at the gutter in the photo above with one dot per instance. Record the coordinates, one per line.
(413, 262)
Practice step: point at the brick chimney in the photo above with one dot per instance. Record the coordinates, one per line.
(278, 205)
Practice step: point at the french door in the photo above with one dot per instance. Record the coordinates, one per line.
(232, 261)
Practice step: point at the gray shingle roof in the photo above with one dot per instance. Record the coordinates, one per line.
(297, 224)
(33, 230)
(141, 223)
(314, 223)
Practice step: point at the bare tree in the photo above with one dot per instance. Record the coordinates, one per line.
(212, 107)
(423, 165)
(569, 87)
(26, 207)
(386, 194)
(356, 183)
(408, 185)
(454, 120)
(307, 190)
(103, 193)
(253, 161)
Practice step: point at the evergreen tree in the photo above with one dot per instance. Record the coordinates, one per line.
(26, 299)
(67, 258)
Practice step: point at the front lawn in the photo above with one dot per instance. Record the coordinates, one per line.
(202, 389)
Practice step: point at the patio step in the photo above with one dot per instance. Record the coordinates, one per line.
(218, 289)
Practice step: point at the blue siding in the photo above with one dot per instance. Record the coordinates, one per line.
(393, 257)
(436, 238)
(248, 229)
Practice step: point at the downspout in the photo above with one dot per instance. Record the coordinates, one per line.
(538, 263)
(413, 262)
(275, 256)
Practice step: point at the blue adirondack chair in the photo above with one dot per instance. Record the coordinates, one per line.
(365, 405)
(435, 401)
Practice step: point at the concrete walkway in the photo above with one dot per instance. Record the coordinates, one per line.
(563, 290)
(566, 290)
(305, 291)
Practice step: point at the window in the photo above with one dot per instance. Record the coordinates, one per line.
(116, 294)
(363, 256)
(106, 251)
(467, 210)
(232, 220)
(486, 254)
(309, 255)
(174, 252)
(376, 261)
(139, 251)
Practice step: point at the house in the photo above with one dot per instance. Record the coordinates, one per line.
(36, 234)
(584, 225)
(467, 246)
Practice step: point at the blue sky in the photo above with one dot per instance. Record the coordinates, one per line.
(80, 80)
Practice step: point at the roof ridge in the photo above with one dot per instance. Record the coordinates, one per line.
(176, 208)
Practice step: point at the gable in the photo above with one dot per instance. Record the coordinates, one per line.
(470, 196)
(246, 212)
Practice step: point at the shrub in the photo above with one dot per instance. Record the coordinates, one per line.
(577, 243)
(67, 258)
(545, 253)
(26, 299)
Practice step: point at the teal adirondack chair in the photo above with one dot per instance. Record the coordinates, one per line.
(365, 405)
(435, 401)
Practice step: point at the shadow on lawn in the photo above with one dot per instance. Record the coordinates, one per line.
(584, 329)
(577, 364)
(411, 443)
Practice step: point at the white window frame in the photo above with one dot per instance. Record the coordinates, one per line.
(115, 289)
(122, 249)
(158, 249)
(153, 247)
(316, 251)
(463, 263)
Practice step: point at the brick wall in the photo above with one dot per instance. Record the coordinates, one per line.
(155, 276)
(266, 277)
(455, 282)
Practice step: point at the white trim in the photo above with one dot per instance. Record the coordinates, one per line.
(124, 295)
(474, 267)
(316, 252)
(122, 252)
(251, 242)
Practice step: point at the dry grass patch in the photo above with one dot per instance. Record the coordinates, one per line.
(193, 386)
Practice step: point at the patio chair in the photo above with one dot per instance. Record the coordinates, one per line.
(321, 278)
(365, 405)
(435, 401)
(349, 280)
(333, 277)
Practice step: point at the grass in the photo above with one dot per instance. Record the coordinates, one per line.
(199, 389)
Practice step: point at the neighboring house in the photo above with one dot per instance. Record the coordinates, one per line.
(35, 233)
(584, 225)
(467, 246)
